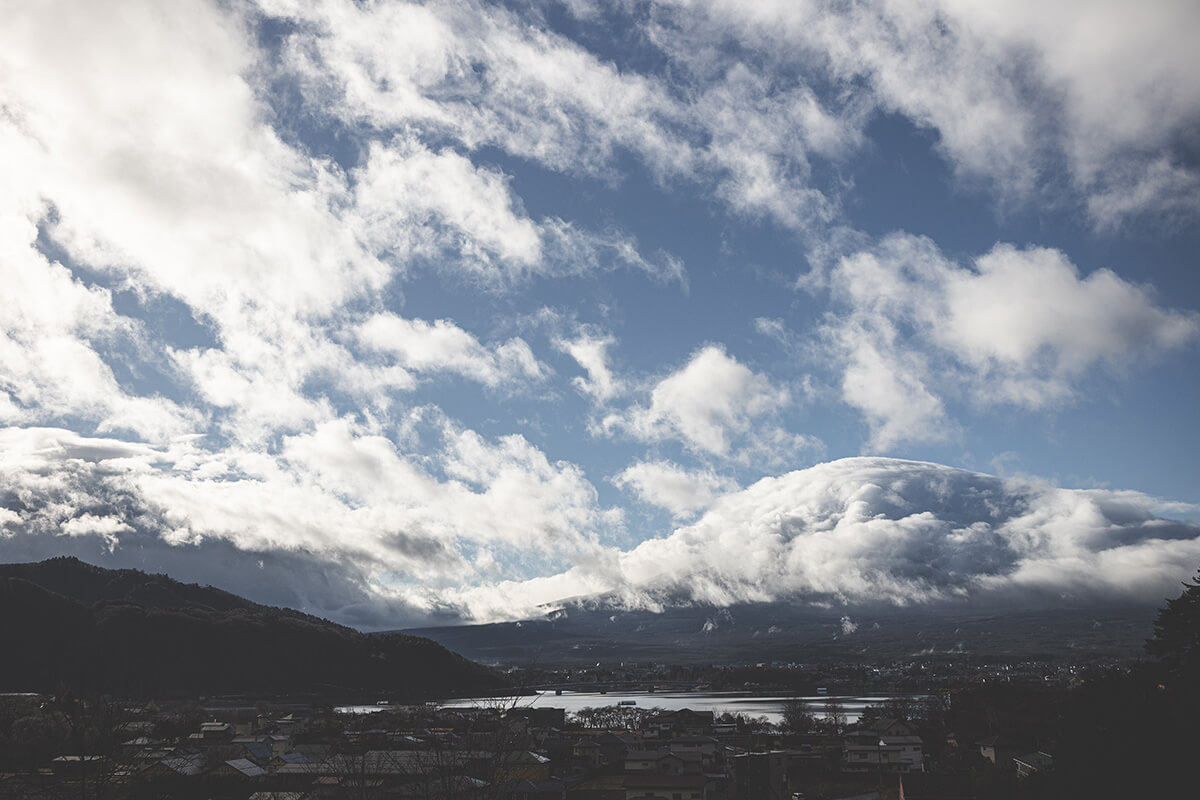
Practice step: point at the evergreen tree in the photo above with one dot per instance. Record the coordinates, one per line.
(1176, 640)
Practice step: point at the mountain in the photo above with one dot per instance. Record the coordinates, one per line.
(68, 624)
(589, 631)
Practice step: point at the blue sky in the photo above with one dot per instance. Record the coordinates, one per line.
(403, 312)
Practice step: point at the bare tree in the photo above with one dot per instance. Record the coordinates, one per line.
(614, 717)
(904, 707)
(796, 716)
(835, 715)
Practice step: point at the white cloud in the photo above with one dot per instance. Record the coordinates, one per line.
(138, 145)
(888, 386)
(404, 187)
(1019, 307)
(174, 175)
(707, 404)
(670, 486)
(487, 76)
(1124, 73)
(1171, 188)
(335, 495)
(50, 336)
(1019, 94)
(482, 75)
(590, 351)
(1019, 326)
(442, 346)
(157, 167)
(106, 528)
(877, 530)
(862, 530)
(442, 211)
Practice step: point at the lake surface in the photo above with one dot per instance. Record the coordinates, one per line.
(769, 706)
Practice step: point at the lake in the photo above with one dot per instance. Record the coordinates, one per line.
(769, 706)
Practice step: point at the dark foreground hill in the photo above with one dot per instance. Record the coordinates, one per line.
(65, 624)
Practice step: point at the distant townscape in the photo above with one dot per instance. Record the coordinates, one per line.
(499, 749)
(936, 726)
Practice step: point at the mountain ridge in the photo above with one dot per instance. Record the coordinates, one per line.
(586, 632)
(86, 628)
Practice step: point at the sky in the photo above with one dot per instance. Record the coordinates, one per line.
(406, 313)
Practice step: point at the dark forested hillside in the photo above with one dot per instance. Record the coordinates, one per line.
(66, 624)
(89, 584)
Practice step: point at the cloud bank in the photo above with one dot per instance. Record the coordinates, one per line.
(375, 539)
(879, 530)
(268, 270)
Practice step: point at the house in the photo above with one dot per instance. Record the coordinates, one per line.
(614, 746)
(706, 747)
(133, 747)
(142, 727)
(332, 787)
(586, 754)
(153, 755)
(239, 767)
(759, 776)
(187, 766)
(216, 731)
(684, 722)
(885, 744)
(1033, 763)
(524, 765)
(696, 763)
(313, 752)
(1001, 750)
(259, 752)
(291, 724)
(280, 743)
(294, 777)
(542, 717)
(656, 761)
(294, 757)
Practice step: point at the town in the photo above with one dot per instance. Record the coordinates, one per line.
(942, 742)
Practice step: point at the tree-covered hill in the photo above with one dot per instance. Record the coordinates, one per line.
(67, 624)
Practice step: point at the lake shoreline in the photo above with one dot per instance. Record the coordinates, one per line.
(768, 705)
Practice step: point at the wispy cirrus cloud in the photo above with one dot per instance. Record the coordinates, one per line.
(485, 77)
(1020, 96)
(442, 346)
